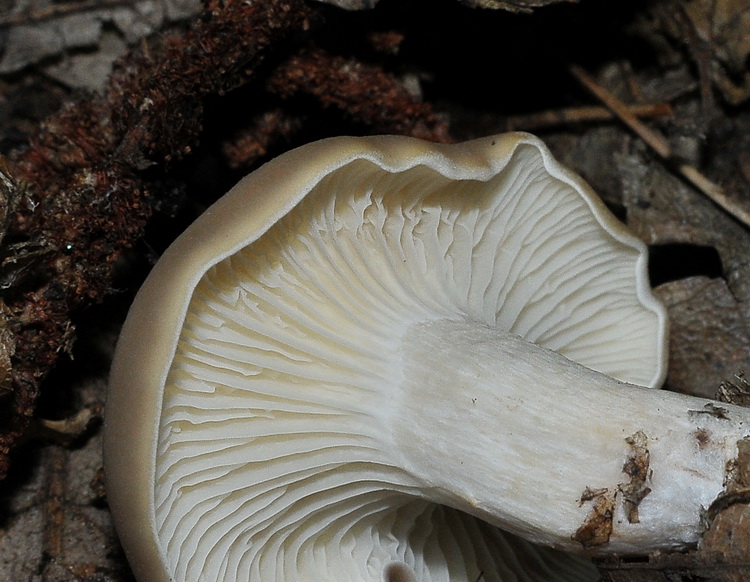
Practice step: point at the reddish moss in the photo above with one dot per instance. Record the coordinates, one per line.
(87, 198)
(364, 92)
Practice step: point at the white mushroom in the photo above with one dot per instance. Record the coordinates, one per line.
(379, 359)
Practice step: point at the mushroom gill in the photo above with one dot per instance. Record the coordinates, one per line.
(285, 432)
(275, 436)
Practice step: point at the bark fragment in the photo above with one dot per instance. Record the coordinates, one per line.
(637, 467)
(597, 528)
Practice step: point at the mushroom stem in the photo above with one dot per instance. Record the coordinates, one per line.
(538, 445)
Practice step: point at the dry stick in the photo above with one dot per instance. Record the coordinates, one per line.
(566, 116)
(660, 145)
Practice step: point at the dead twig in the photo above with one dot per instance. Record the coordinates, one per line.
(574, 115)
(661, 146)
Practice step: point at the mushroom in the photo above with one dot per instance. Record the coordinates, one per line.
(381, 359)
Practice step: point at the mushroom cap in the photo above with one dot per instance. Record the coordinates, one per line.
(282, 308)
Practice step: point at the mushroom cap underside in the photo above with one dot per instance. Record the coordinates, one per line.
(248, 409)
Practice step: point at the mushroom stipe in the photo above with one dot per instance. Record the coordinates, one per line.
(381, 359)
